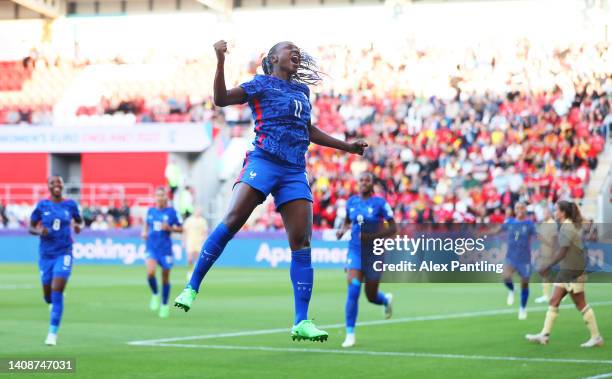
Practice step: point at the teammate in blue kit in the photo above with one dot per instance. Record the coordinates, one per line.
(376, 215)
(520, 231)
(51, 220)
(161, 222)
(279, 100)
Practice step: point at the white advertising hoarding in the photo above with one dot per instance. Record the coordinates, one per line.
(173, 137)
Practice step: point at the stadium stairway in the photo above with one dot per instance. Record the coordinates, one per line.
(591, 206)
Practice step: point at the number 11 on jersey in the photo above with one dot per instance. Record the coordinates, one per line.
(298, 108)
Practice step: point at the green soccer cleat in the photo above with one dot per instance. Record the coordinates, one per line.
(306, 330)
(154, 303)
(185, 299)
(164, 311)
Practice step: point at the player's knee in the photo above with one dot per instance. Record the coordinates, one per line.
(371, 296)
(299, 241)
(554, 301)
(233, 220)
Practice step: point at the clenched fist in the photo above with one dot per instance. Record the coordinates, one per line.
(220, 50)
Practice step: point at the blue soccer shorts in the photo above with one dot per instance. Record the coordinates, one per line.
(355, 261)
(270, 175)
(55, 267)
(522, 268)
(165, 261)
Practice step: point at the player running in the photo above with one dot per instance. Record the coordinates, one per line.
(571, 277)
(280, 104)
(195, 229)
(161, 222)
(372, 211)
(520, 230)
(547, 234)
(51, 220)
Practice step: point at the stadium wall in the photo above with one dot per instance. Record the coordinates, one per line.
(124, 167)
(24, 167)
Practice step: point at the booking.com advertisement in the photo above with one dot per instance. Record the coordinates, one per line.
(125, 247)
(461, 253)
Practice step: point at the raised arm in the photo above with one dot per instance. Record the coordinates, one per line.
(222, 96)
(319, 137)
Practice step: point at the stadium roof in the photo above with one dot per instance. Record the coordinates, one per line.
(28, 9)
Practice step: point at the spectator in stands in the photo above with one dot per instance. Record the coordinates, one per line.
(185, 202)
(173, 176)
(3, 218)
(88, 215)
(124, 214)
(99, 223)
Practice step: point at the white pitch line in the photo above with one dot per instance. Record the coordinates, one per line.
(449, 316)
(17, 286)
(391, 354)
(601, 376)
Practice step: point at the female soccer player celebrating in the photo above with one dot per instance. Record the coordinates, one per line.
(51, 220)
(161, 222)
(371, 211)
(280, 104)
(571, 278)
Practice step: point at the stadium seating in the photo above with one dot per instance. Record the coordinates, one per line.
(453, 136)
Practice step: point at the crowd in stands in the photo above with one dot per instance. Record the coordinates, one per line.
(455, 136)
(469, 157)
(117, 216)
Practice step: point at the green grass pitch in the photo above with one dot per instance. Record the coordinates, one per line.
(438, 330)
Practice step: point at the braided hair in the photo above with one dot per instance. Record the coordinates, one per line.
(307, 73)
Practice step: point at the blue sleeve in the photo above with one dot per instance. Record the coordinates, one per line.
(147, 218)
(532, 229)
(386, 212)
(348, 208)
(253, 87)
(36, 216)
(175, 219)
(306, 90)
(504, 226)
(76, 214)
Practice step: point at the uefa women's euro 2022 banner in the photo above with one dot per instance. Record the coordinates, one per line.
(405, 257)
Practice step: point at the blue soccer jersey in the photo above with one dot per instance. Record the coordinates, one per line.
(371, 211)
(158, 240)
(281, 111)
(57, 218)
(519, 239)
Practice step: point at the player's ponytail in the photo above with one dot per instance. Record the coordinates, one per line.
(307, 73)
(571, 211)
(576, 215)
(266, 65)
